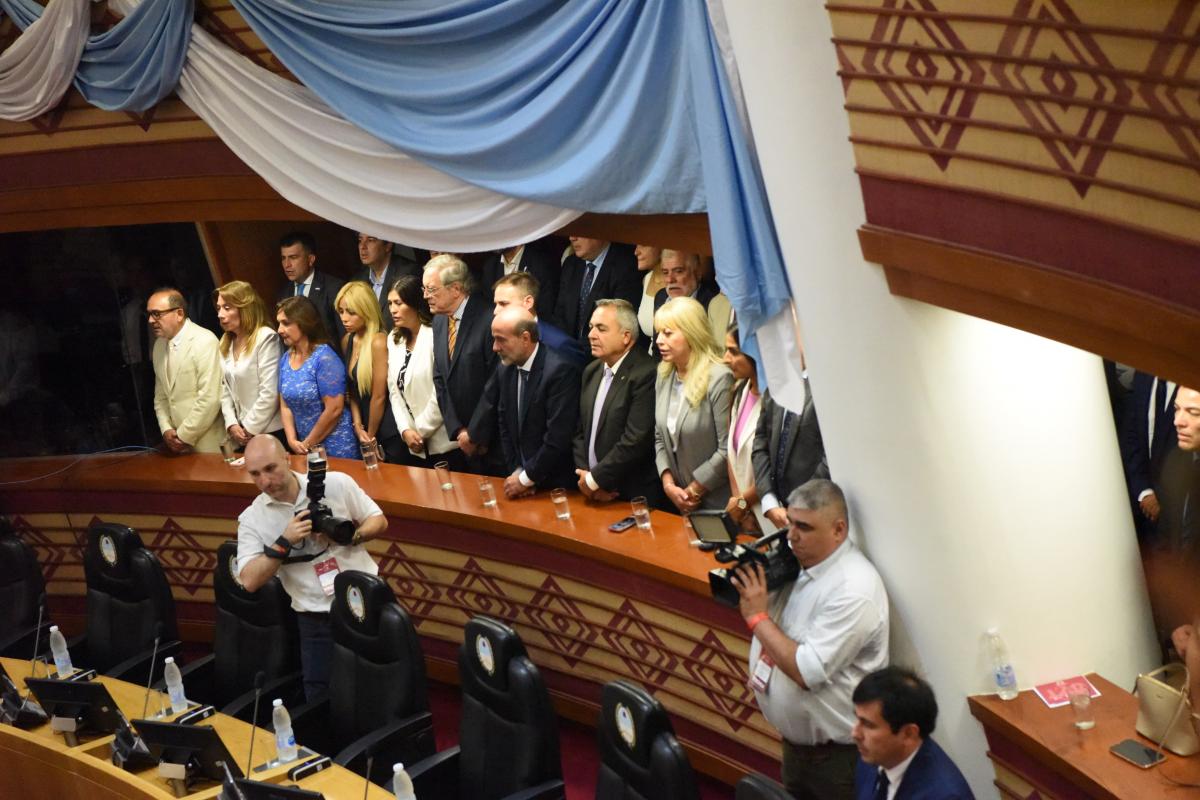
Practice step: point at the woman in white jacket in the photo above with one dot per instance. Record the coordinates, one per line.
(249, 364)
(410, 376)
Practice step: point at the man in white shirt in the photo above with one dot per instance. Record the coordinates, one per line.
(814, 640)
(187, 377)
(276, 537)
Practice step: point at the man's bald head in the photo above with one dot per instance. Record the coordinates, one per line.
(514, 335)
(267, 465)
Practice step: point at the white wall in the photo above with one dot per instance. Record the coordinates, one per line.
(979, 460)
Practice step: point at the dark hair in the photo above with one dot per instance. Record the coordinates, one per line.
(411, 293)
(903, 696)
(302, 238)
(301, 312)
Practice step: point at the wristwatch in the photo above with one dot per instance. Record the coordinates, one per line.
(742, 505)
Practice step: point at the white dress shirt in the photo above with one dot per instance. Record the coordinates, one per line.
(250, 385)
(417, 409)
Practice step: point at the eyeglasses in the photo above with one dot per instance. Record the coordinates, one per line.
(428, 290)
(157, 313)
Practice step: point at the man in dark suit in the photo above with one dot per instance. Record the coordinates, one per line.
(298, 253)
(1179, 520)
(788, 452)
(1147, 439)
(462, 354)
(382, 266)
(539, 406)
(896, 712)
(614, 446)
(682, 278)
(532, 258)
(522, 290)
(596, 269)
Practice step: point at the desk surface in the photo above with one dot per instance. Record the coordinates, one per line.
(38, 763)
(1025, 728)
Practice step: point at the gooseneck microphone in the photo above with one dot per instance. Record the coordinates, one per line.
(158, 632)
(260, 678)
(37, 636)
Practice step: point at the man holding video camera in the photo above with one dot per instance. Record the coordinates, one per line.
(276, 536)
(814, 640)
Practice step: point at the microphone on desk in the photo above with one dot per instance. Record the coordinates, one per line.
(260, 678)
(370, 753)
(158, 632)
(37, 636)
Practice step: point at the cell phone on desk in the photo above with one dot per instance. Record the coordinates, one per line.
(622, 525)
(1137, 753)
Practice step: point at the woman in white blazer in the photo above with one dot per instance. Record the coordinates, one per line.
(249, 364)
(410, 376)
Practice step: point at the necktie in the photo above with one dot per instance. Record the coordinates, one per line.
(589, 277)
(299, 289)
(789, 420)
(453, 335)
(881, 787)
(605, 383)
(522, 377)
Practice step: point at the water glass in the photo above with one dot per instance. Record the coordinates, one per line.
(228, 451)
(1081, 703)
(487, 492)
(562, 509)
(641, 513)
(370, 454)
(443, 475)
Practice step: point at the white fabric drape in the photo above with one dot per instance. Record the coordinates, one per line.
(330, 167)
(37, 68)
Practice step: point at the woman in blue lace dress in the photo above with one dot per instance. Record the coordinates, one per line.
(312, 384)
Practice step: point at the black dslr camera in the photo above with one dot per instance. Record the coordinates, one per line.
(323, 521)
(772, 551)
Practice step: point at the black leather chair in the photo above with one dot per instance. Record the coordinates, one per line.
(378, 701)
(128, 602)
(640, 758)
(254, 632)
(757, 786)
(22, 590)
(508, 737)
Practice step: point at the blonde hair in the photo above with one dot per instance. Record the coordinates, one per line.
(359, 298)
(251, 309)
(689, 318)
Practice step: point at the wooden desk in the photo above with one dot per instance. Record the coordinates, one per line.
(590, 605)
(1038, 753)
(38, 764)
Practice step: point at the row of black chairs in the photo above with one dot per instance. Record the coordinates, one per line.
(377, 710)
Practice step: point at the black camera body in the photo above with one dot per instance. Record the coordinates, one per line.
(772, 551)
(340, 531)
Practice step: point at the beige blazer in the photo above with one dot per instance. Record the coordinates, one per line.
(188, 399)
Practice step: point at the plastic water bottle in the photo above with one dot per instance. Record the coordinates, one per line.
(1002, 669)
(402, 784)
(174, 685)
(285, 740)
(62, 657)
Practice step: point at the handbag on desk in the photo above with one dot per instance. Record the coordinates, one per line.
(1164, 713)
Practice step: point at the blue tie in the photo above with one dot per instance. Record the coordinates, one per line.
(299, 289)
(589, 277)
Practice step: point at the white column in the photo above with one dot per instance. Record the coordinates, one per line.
(980, 461)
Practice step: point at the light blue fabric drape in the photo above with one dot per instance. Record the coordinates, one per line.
(615, 106)
(134, 64)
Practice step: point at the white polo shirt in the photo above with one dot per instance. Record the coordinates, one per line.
(838, 613)
(264, 521)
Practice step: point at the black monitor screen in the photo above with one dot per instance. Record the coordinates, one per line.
(181, 744)
(89, 702)
(256, 790)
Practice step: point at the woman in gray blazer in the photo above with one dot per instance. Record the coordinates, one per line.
(691, 410)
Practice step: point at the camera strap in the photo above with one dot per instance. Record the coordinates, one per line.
(304, 559)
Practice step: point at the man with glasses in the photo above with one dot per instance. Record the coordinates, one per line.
(187, 377)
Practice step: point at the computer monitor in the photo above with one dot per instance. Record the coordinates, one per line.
(713, 527)
(88, 703)
(198, 748)
(257, 790)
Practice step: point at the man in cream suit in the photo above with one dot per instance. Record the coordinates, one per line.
(187, 377)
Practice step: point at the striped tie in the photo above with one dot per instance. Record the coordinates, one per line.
(453, 335)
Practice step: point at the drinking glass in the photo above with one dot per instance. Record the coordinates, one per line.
(1081, 703)
(370, 454)
(443, 474)
(562, 509)
(487, 492)
(641, 513)
(228, 451)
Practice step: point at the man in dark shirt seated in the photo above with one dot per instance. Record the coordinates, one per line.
(896, 712)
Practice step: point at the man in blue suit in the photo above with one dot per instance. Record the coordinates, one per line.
(896, 712)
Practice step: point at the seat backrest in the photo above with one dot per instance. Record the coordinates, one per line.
(757, 786)
(509, 733)
(21, 583)
(127, 596)
(254, 630)
(640, 758)
(378, 672)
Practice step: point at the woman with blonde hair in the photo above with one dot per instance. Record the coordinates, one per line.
(691, 410)
(365, 346)
(249, 364)
(312, 383)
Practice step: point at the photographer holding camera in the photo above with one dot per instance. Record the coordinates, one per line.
(813, 641)
(305, 529)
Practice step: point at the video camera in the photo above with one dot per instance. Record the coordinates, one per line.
(323, 521)
(772, 551)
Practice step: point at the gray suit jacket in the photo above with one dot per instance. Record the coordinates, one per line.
(698, 449)
(804, 453)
